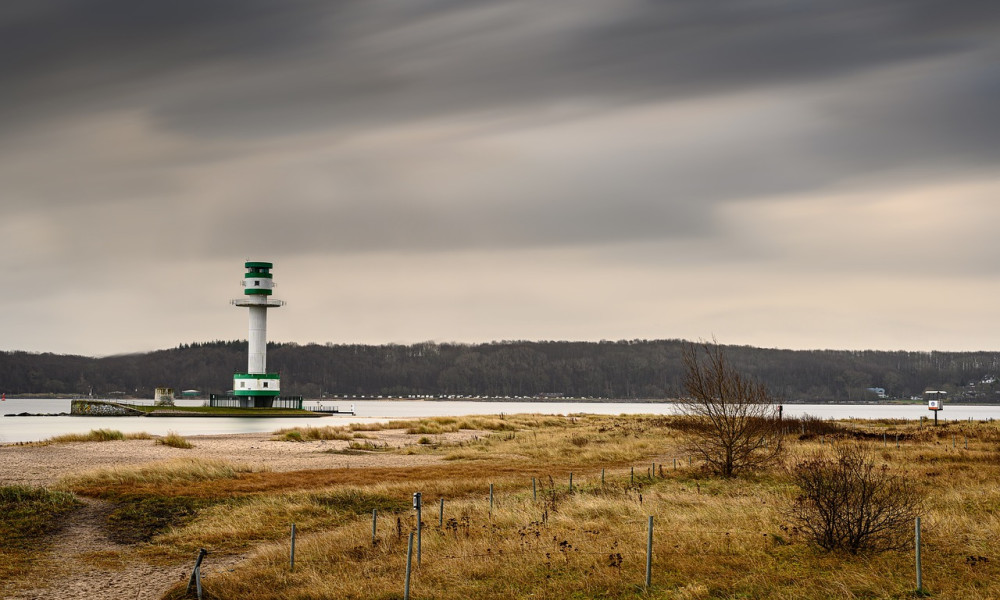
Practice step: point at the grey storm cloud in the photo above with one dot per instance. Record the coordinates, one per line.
(232, 76)
(249, 63)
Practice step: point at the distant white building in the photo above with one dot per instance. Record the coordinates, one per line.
(880, 392)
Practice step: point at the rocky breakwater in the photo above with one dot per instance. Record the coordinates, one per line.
(93, 408)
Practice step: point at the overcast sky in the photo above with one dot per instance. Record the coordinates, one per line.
(818, 174)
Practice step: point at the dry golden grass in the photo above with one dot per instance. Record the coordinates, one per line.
(174, 440)
(303, 434)
(172, 473)
(95, 435)
(713, 538)
(438, 425)
(726, 541)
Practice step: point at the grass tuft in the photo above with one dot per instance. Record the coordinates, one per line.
(304, 434)
(97, 435)
(174, 440)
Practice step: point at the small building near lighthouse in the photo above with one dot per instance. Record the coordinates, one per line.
(257, 387)
(163, 396)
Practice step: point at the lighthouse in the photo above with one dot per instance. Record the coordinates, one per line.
(257, 388)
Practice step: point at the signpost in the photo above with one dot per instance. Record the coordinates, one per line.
(418, 506)
(935, 402)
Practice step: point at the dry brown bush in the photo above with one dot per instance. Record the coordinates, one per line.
(851, 502)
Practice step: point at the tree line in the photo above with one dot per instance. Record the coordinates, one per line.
(626, 369)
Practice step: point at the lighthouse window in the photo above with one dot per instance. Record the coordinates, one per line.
(256, 283)
(243, 384)
(265, 384)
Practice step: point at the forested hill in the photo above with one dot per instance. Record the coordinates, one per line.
(623, 369)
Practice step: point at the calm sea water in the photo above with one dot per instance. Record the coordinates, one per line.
(28, 429)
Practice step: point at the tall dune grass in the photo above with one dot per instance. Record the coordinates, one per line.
(174, 440)
(97, 435)
(179, 470)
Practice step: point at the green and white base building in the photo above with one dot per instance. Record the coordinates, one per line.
(257, 388)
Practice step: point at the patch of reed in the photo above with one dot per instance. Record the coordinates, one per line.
(174, 440)
(304, 434)
(97, 435)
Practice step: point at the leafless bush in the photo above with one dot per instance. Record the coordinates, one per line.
(736, 419)
(850, 502)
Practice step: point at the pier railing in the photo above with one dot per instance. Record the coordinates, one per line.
(255, 402)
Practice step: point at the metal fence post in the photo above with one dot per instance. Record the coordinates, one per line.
(195, 580)
(920, 579)
(409, 564)
(420, 523)
(291, 555)
(649, 552)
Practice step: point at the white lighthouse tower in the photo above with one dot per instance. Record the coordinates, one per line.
(257, 388)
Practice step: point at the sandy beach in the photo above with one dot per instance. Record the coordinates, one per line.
(45, 465)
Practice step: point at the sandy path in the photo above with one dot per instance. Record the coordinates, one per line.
(71, 576)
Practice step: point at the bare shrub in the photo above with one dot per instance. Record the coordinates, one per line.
(850, 502)
(736, 426)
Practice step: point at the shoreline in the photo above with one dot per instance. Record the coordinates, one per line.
(45, 464)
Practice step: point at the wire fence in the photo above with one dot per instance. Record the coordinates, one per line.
(621, 545)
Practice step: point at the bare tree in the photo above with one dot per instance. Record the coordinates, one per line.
(737, 424)
(850, 502)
